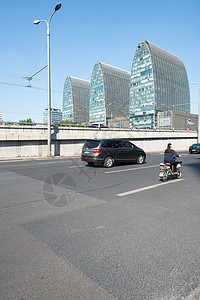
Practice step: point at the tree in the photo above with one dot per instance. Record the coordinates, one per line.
(26, 122)
(66, 122)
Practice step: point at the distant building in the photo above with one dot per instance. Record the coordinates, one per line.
(177, 120)
(1, 120)
(109, 96)
(119, 122)
(56, 116)
(76, 95)
(159, 83)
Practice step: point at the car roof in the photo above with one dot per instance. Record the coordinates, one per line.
(111, 139)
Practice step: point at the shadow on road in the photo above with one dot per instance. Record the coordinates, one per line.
(195, 166)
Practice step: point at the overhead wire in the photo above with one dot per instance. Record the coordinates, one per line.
(38, 61)
(32, 87)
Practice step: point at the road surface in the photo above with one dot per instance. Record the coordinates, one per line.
(69, 231)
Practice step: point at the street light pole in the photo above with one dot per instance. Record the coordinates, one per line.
(198, 132)
(36, 22)
(199, 120)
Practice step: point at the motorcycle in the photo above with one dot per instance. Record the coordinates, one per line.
(166, 171)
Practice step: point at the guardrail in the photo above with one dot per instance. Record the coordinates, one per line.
(11, 123)
(31, 140)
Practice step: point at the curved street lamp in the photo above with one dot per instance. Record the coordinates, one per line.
(36, 22)
(198, 136)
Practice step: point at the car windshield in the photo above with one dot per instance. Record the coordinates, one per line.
(91, 144)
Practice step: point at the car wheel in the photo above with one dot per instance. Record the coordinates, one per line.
(90, 164)
(108, 162)
(140, 159)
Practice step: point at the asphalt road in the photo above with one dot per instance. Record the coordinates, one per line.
(69, 231)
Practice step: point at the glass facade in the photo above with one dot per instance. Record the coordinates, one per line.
(76, 95)
(109, 94)
(56, 116)
(158, 83)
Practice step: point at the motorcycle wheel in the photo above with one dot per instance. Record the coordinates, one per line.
(164, 176)
(179, 175)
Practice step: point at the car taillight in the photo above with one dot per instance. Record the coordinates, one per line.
(198, 147)
(97, 150)
(190, 147)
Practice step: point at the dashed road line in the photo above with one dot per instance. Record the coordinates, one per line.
(147, 188)
(132, 169)
(71, 167)
(53, 162)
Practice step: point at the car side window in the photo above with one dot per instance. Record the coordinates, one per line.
(116, 144)
(107, 144)
(121, 144)
(128, 145)
(111, 144)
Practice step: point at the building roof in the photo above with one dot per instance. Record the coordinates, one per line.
(114, 70)
(78, 82)
(159, 52)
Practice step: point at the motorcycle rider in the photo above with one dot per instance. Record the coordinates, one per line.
(170, 157)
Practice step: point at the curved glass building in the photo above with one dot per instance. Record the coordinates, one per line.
(159, 82)
(76, 95)
(109, 94)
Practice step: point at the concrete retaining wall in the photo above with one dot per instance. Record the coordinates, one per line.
(31, 141)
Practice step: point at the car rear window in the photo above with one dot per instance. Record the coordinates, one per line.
(91, 144)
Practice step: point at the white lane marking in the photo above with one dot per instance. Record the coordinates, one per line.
(71, 167)
(147, 188)
(41, 161)
(132, 169)
(11, 177)
(54, 162)
(14, 160)
(180, 154)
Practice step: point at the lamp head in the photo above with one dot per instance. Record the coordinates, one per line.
(36, 22)
(58, 6)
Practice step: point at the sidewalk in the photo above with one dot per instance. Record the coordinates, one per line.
(27, 158)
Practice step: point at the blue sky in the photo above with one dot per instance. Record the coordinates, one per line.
(82, 33)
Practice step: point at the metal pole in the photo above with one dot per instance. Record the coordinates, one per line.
(49, 94)
(198, 136)
(36, 22)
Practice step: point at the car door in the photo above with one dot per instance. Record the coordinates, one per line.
(128, 152)
(121, 151)
(108, 148)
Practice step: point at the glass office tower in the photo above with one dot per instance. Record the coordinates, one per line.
(76, 95)
(109, 95)
(158, 83)
(56, 116)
